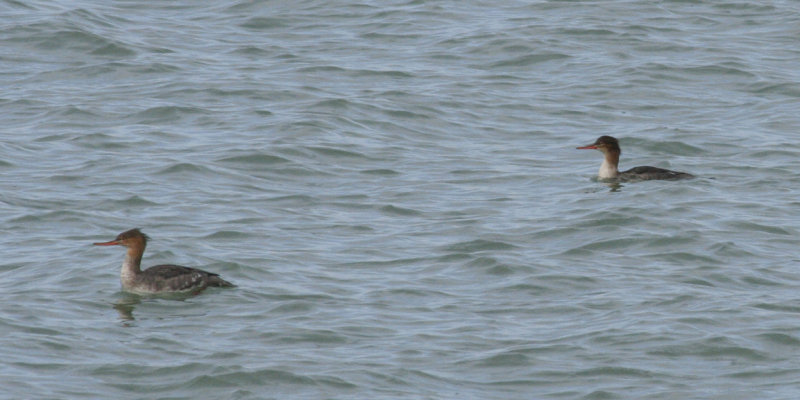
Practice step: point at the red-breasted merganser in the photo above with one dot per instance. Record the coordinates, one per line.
(160, 278)
(608, 170)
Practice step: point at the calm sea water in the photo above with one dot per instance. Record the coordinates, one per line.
(394, 186)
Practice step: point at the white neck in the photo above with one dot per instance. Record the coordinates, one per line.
(607, 170)
(130, 268)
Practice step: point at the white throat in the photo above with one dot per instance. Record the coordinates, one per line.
(127, 274)
(607, 170)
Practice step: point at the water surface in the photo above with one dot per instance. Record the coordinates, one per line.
(394, 188)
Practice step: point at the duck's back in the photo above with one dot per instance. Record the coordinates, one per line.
(646, 173)
(176, 278)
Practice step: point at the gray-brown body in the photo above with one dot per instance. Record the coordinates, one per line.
(160, 278)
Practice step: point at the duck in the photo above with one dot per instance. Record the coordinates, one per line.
(165, 278)
(609, 146)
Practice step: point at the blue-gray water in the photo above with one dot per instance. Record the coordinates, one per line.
(394, 186)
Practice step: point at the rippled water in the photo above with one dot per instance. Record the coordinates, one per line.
(394, 186)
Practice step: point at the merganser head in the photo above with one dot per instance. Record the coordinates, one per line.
(127, 239)
(610, 148)
(606, 144)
